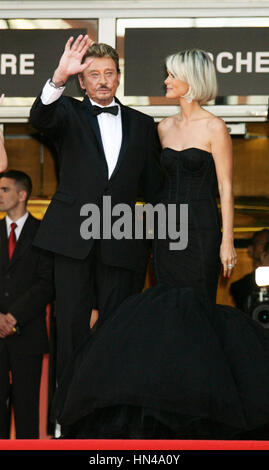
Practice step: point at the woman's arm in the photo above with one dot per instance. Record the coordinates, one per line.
(3, 154)
(221, 146)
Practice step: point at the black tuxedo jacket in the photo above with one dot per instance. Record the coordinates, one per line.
(26, 287)
(84, 175)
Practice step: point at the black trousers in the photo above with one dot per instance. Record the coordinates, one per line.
(22, 394)
(85, 284)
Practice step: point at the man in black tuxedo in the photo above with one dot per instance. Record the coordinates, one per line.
(242, 289)
(26, 287)
(105, 149)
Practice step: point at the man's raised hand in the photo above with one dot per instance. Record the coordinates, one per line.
(70, 62)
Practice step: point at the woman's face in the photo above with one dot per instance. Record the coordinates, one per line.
(175, 88)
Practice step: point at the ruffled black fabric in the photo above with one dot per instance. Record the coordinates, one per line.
(166, 365)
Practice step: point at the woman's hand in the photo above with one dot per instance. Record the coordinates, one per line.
(228, 257)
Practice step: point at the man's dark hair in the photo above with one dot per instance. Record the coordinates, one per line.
(102, 50)
(21, 179)
(256, 235)
(266, 248)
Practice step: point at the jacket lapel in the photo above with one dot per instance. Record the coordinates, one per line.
(4, 261)
(93, 121)
(125, 136)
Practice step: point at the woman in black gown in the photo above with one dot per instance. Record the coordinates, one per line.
(170, 363)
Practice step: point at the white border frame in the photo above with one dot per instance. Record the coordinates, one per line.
(107, 13)
(134, 8)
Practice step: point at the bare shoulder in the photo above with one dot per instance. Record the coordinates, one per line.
(166, 123)
(216, 125)
(220, 139)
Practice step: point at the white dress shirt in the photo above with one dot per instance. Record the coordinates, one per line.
(20, 223)
(110, 125)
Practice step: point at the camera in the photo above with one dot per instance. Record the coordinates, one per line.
(258, 301)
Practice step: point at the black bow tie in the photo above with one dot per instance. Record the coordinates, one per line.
(108, 109)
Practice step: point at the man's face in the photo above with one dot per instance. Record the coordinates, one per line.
(257, 248)
(100, 79)
(265, 259)
(10, 194)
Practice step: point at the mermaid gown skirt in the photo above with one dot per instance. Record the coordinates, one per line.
(169, 362)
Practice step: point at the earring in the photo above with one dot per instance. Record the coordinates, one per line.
(189, 98)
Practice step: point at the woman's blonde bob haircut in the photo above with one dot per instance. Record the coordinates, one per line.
(195, 68)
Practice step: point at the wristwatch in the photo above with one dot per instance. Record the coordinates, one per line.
(57, 85)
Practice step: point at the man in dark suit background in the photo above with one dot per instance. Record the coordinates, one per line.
(105, 149)
(242, 289)
(26, 287)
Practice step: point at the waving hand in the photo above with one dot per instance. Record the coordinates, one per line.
(70, 62)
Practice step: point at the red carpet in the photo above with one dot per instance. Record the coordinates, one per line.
(62, 444)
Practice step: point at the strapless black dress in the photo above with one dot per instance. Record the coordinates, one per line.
(169, 362)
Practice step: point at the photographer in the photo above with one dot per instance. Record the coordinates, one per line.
(265, 255)
(244, 287)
